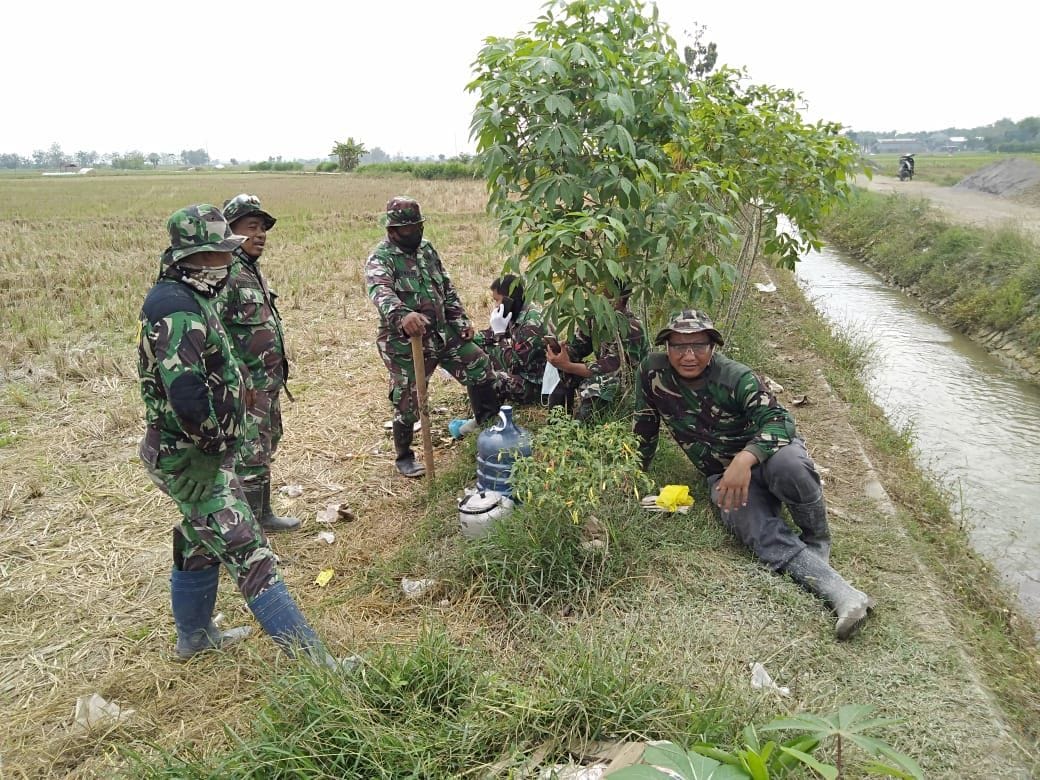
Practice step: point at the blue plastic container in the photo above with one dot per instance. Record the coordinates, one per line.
(497, 448)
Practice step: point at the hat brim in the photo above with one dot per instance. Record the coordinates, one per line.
(268, 219)
(387, 223)
(664, 333)
(229, 244)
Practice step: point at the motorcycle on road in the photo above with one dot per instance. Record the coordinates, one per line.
(906, 167)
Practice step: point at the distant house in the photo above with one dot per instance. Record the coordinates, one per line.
(899, 146)
(954, 143)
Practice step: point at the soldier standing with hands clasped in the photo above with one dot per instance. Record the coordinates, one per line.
(255, 326)
(193, 389)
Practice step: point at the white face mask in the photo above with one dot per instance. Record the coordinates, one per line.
(550, 379)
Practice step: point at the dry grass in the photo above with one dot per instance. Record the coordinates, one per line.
(85, 537)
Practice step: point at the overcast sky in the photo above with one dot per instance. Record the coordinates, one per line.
(259, 79)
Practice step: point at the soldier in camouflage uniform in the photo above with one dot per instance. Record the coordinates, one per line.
(415, 297)
(515, 343)
(193, 389)
(598, 383)
(734, 431)
(252, 320)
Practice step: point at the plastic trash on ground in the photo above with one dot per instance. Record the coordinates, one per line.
(93, 711)
(414, 589)
(672, 498)
(760, 679)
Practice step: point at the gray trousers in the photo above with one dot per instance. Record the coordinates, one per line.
(788, 477)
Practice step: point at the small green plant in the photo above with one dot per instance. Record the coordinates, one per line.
(763, 761)
(574, 467)
(573, 532)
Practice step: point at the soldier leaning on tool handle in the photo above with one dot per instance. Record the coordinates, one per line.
(415, 297)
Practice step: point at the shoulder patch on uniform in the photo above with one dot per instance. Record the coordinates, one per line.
(168, 298)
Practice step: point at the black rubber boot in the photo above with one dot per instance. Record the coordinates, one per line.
(485, 402)
(193, 595)
(563, 396)
(269, 521)
(817, 577)
(812, 520)
(406, 462)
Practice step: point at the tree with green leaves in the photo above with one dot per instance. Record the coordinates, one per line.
(349, 153)
(607, 160)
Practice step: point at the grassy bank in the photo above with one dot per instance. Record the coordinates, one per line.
(530, 643)
(984, 282)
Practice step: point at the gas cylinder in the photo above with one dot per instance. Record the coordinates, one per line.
(497, 448)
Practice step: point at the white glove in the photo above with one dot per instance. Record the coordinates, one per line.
(500, 321)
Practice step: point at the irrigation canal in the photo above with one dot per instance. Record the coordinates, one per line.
(975, 423)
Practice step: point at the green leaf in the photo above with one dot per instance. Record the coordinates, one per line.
(824, 770)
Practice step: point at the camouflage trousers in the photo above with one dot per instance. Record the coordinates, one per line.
(464, 360)
(261, 434)
(219, 529)
(512, 387)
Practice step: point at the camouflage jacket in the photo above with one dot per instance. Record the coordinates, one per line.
(724, 411)
(635, 346)
(248, 310)
(399, 283)
(191, 382)
(519, 352)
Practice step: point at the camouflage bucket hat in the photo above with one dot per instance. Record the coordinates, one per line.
(199, 228)
(242, 206)
(402, 210)
(689, 321)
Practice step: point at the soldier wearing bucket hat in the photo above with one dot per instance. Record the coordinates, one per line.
(744, 442)
(193, 389)
(255, 326)
(414, 295)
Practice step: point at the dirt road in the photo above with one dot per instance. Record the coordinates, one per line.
(970, 207)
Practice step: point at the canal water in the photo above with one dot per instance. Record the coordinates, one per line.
(975, 423)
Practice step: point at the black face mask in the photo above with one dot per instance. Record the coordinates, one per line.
(407, 243)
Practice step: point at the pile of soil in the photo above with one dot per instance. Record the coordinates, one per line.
(1008, 178)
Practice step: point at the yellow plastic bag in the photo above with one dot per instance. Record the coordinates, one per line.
(672, 497)
(324, 578)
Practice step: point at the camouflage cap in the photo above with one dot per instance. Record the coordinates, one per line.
(198, 228)
(402, 210)
(689, 321)
(242, 206)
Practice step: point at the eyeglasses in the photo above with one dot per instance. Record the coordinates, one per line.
(698, 348)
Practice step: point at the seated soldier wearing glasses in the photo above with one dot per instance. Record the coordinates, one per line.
(744, 442)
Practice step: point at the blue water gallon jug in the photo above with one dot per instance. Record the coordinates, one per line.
(497, 448)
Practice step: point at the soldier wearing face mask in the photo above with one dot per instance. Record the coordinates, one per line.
(415, 297)
(194, 391)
